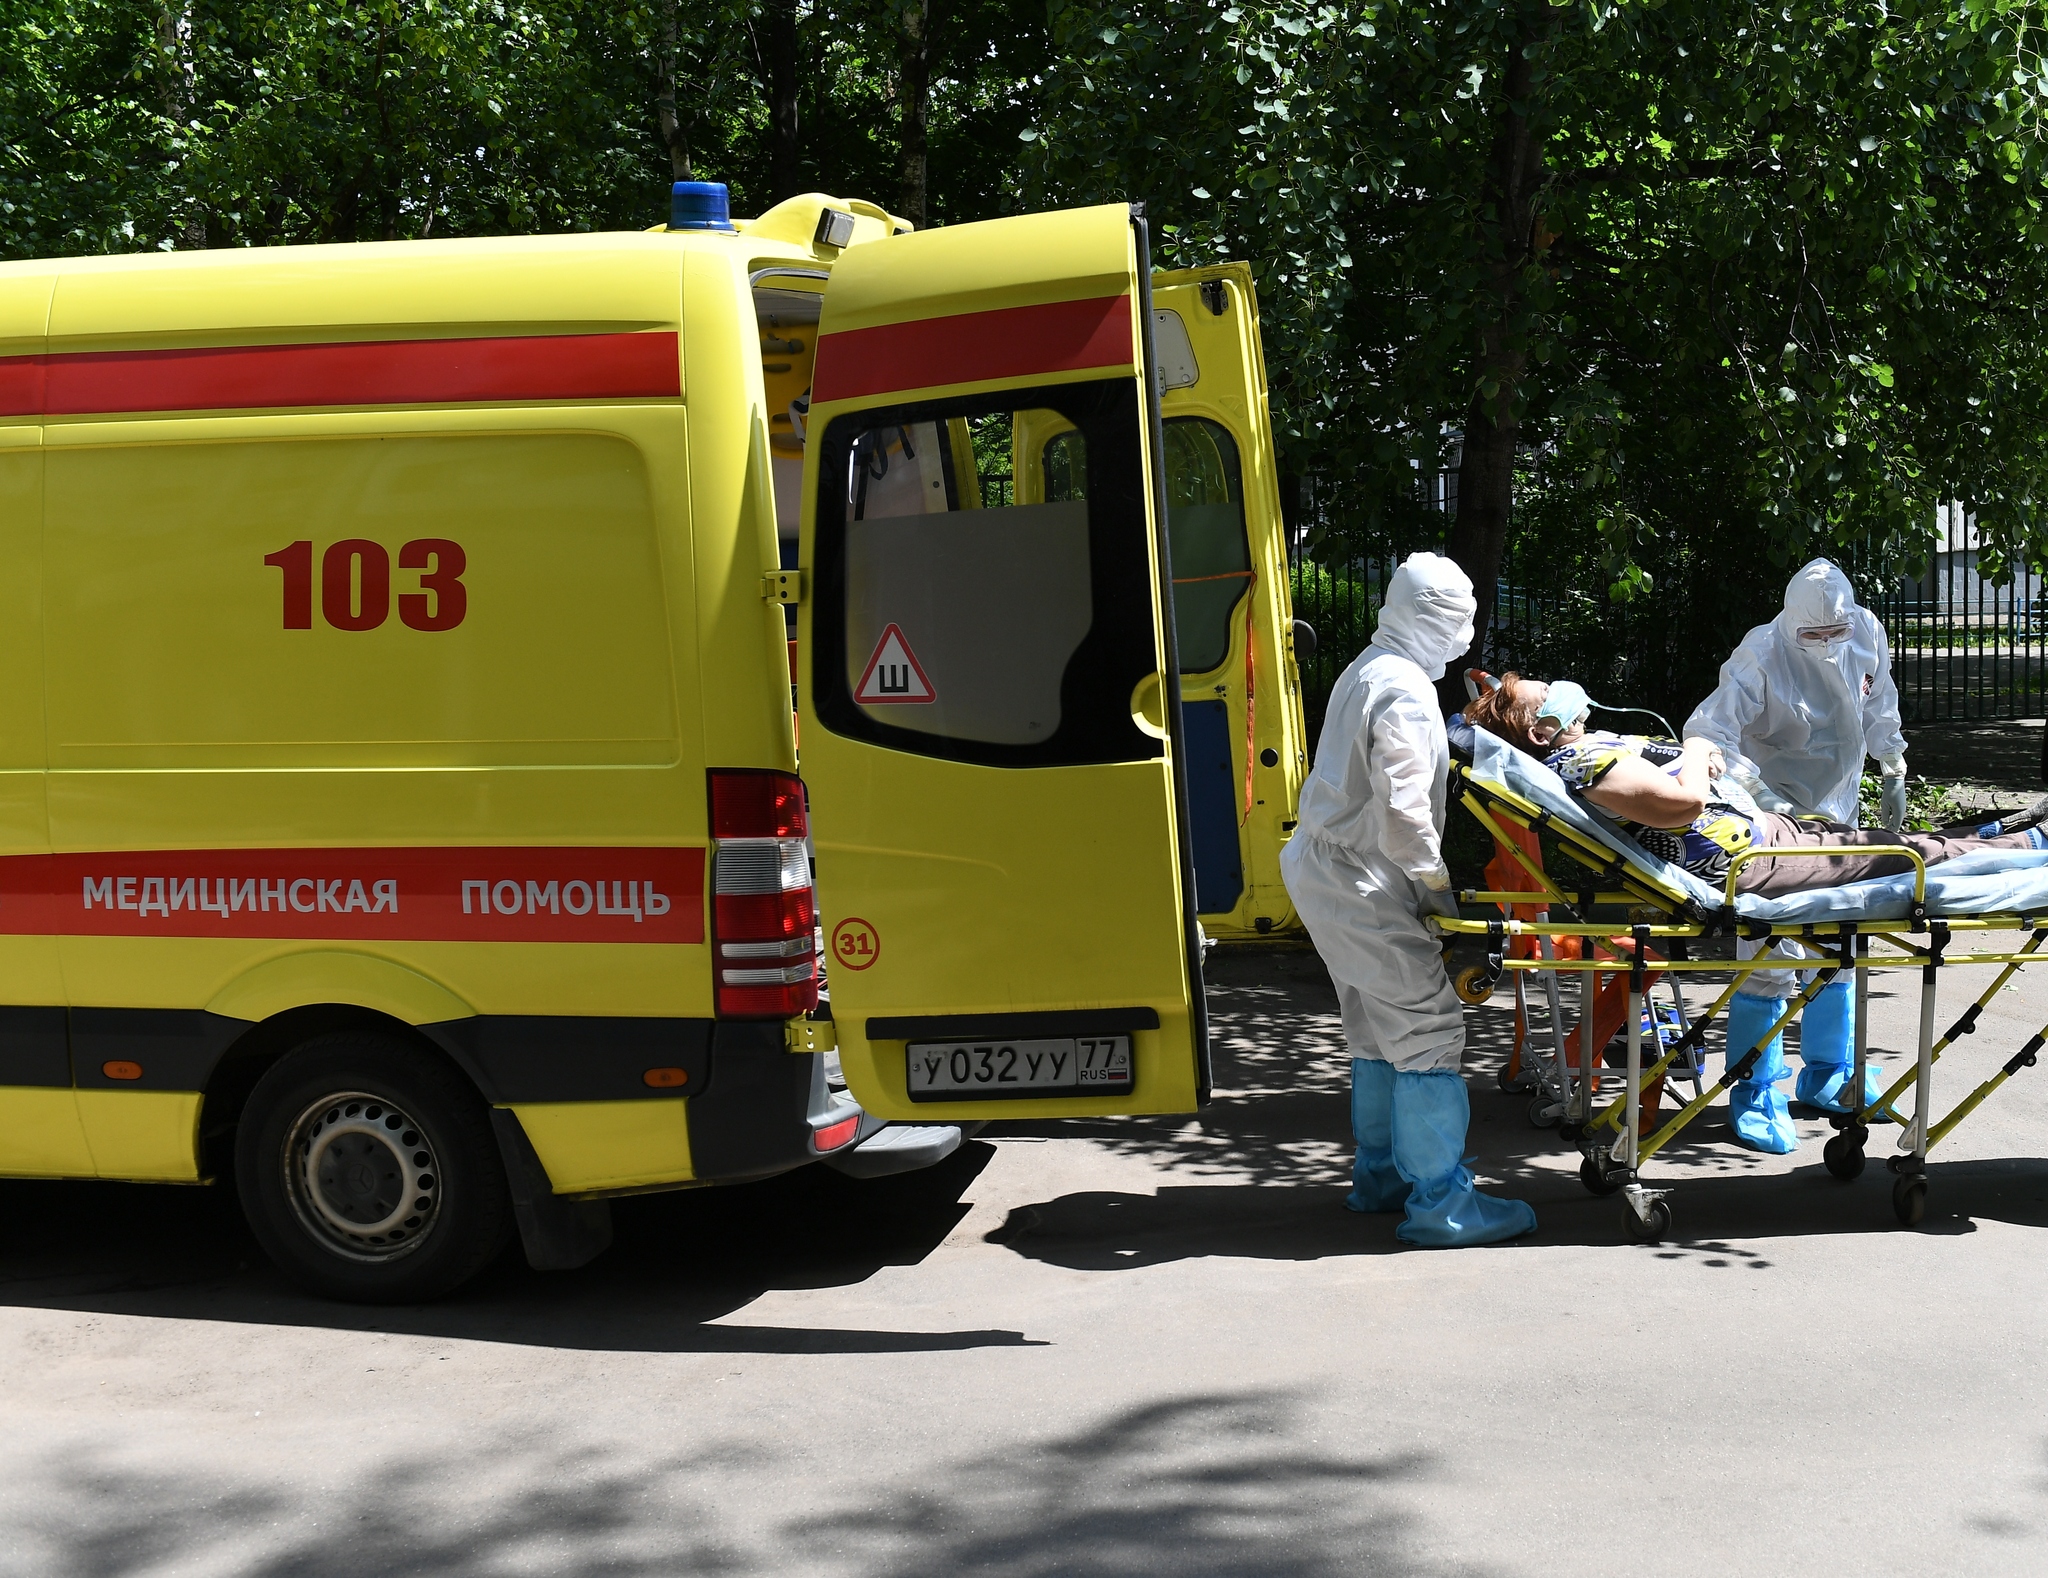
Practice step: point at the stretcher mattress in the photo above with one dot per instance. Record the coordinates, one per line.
(1987, 881)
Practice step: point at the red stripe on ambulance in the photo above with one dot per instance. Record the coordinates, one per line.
(418, 895)
(376, 372)
(971, 347)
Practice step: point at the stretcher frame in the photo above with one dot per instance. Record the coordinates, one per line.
(1662, 914)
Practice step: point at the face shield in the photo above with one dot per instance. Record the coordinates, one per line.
(1824, 639)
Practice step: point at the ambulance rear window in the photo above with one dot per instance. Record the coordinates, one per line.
(1212, 561)
(984, 577)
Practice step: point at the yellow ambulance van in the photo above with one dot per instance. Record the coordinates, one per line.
(399, 795)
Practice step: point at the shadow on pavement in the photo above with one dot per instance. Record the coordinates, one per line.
(1219, 1484)
(1105, 1231)
(1200, 1486)
(1269, 1161)
(677, 1262)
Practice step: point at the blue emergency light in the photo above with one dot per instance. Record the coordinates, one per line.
(699, 205)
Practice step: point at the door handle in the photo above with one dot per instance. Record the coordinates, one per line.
(1148, 706)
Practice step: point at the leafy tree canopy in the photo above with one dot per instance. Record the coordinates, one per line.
(1680, 290)
(1765, 279)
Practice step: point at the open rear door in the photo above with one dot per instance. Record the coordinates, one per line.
(1232, 610)
(992, 747)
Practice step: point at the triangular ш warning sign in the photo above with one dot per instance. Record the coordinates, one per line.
(893, 674)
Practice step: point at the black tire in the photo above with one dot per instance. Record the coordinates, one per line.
(368, 1171)
(1909, 1199)
(1844, 1157)
(1648, 1231)
(1598, 1179)
(1543, 1113)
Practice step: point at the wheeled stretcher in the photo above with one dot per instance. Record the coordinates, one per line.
(1634, 917)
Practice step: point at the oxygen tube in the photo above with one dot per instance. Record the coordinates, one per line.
(1568, 702)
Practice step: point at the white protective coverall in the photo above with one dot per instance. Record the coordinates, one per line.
(1800, 716)
(1366, 863)
(1795, 719)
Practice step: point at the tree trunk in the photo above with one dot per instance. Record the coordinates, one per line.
(915, 79)
(668, 121)
(785, 173)
(1486, 469)
(174, 45)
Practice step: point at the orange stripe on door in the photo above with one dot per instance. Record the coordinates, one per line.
(381, 372)
(973, 347)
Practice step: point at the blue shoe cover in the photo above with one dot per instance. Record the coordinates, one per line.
(1756, 1111)
(1761, 1119)
(1376, 1185)
(1431, 1115)
(1822, 1085)
(1748, 1018)
(1827, 1045)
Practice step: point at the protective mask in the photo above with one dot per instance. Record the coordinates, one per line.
(1566, 704)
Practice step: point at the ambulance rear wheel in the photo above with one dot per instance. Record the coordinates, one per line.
(368, 1171)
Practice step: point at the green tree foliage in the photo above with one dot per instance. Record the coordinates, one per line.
(142, 124)
(1682, 290)
(1723, 283)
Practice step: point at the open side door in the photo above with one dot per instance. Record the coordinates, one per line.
(1233, 606)
(992, 747)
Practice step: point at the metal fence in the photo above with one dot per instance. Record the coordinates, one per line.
(1963, 649)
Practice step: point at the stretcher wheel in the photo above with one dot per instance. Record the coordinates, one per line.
(1570, 1133)
(1909, 1199)
(1544, 1113)
(1647, 1230)
(1514, 1084)
(1597, 1178)
(1474, 983)
(1844, 1157)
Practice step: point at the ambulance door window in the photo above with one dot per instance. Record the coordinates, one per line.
(1212, 561)
(1066, 467)
(955, 622)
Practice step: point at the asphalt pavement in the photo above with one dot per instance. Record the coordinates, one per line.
(1113, 1347)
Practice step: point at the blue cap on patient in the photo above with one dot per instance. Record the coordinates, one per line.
(1565, 704)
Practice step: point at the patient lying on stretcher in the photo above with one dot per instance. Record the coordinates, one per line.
(1672, 798)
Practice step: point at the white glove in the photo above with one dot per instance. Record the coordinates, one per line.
(1766, 798)
(1892, 799)
(1438, 898)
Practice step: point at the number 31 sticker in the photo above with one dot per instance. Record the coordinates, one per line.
(855, 943)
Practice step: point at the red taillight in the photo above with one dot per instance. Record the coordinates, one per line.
(838, 1134)
(752, 803)
(763, 915)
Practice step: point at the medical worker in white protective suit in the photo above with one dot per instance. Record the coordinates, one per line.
(1364, 867)
(1801, 702)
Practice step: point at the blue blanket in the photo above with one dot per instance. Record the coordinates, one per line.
(1984, 882)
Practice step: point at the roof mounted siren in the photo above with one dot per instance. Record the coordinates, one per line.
(700, 205)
